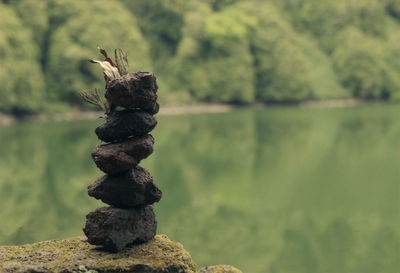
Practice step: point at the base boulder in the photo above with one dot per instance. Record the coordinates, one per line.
(159, 255)
(114, 228)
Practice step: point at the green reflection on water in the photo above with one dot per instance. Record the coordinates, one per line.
(279, 190)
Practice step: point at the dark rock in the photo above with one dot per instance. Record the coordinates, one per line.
(123, 124)
(74, 255)
(126, 190)
(138, 90)
(115, 228)
(154, 110)
(119, 157)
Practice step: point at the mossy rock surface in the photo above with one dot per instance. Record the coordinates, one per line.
(220, 269)
(71, 255)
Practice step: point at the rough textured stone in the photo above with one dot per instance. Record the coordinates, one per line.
(159, 255)
(154, 110)
(115, 158)
(115, 228)
(126, 190)
(220, 269)
(123, 124)
(137, 90)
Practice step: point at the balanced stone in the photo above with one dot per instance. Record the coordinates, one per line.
(137, 90)
(119, 157)
(116, 228)
(154, 109)
(126, 190)
(123, 124)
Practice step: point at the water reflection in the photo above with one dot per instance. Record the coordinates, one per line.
(278, 190)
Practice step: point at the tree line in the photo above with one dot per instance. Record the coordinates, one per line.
(229, 51)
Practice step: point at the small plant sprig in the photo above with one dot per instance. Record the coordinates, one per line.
(111, 70)
(121, 60)
(92, 97)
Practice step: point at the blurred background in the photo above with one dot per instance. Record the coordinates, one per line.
(279, 189)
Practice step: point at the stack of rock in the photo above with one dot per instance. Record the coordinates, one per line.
(128, 188)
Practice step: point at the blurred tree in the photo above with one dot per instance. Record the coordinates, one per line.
(214, 62)
(392, 58)
(220, 4)
(22, 88)
(370, 16)
(282, 69)
(161, 25)
(228, 26)
(211, 50)
(161, 22)
(78, 27)
(359, 62)
(289, 79)
(325, 19)
(34, 15)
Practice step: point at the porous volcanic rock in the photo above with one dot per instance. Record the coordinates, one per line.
(159, 255)
(154, 109)
(119, 157)
(115, 228)
(219, 269)
(123, 124)
(137, 90)
(126, 190)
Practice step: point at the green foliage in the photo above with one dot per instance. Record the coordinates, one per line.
(282, 69)
(359, 61)
(228, 26)
(160, 23)
(212, 65)
(289, 80)
(21, 79)
(226, 51)
(324, 19)
(392, 57)
(34, 16)
(220, 4)
(87, 25)
(93, 97)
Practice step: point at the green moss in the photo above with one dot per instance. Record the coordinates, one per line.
(70, 255)
(220, 269)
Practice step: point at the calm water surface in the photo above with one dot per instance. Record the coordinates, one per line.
(279, 190)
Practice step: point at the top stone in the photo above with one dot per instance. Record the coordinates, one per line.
(134, 91)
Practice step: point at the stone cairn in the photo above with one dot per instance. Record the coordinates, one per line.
(127, 188)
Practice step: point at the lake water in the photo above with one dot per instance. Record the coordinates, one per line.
(285, 190)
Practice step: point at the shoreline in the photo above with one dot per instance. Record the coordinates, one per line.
(201, 108)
